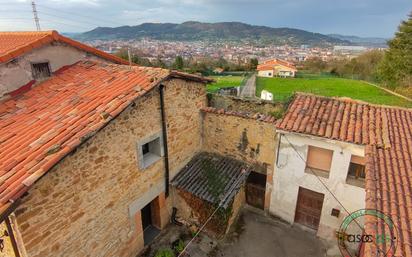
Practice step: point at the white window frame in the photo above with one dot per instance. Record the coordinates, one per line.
(154, 155)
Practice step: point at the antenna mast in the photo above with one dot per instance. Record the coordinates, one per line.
(36, 18)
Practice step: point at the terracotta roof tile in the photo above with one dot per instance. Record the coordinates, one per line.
(270, 64)
(41, 126)
(387, 134)
(15, 44)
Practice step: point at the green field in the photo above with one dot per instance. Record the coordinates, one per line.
(283, 88)
(224, 81)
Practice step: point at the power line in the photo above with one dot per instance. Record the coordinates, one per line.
(63, 18)
(79, 15)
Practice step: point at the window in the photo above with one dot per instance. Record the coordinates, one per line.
(40, 70)
(149, 150)
(356, 172)
(319, 161)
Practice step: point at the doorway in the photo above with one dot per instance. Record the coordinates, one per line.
(309, 208)
(149, 216)
(256, 189)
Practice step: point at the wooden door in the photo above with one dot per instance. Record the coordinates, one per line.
(256, 190)
(309, 208)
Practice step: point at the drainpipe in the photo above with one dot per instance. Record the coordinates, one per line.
(164, 134)
(12, 237)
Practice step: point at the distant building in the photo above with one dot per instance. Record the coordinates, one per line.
(276, 68)
(266, 95)
(349, 48)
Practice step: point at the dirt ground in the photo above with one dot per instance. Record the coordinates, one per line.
(253, 235)
(259, 235)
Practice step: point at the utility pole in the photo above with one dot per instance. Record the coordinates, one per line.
(36, 18)
(130, 57)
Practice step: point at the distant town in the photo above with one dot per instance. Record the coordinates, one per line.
(236, 52)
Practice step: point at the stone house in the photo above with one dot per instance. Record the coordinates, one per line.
(85, 157)
(88, 155)
(276, 68)
(27, 57)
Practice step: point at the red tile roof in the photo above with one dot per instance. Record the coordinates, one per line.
(15, 44)
(270, 64)
(41, 126)
(387, 134)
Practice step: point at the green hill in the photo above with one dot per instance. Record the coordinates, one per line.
(192, 30)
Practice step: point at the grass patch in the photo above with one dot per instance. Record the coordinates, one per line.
(283, 88)
(224, 81)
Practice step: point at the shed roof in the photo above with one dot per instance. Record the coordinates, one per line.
(212, 177)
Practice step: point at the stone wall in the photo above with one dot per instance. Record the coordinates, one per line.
(240, 104)
(86, 204)
(18, 72)
(247, 138)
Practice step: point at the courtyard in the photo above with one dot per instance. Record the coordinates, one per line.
(254, 234)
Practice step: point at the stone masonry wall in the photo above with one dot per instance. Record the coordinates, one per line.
(250, 139)
(81, 206)
(239, 104)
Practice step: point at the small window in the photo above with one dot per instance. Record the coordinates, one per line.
(149, 151)
(41, 70)
(356, 172)
(319, 161)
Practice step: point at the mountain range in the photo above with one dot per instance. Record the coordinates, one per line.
(365, 41)
(224, 31)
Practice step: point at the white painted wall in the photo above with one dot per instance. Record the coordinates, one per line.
(18, 73)
(266, 95)
(266, 73)
(290, 173)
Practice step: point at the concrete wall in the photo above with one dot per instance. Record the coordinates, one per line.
(89, 204)
(290, 174)
(18, 72)
(245, 139)
(266, 73)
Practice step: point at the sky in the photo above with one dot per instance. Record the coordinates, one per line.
(366, 18)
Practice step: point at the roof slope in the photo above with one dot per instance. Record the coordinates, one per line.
(15, 44)
(272, 63)
(202, 175)
(41, 126)
(387, 134)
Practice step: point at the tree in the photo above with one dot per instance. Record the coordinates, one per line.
(396, 67)
(315, 64)
(179, 63)
(253, 63)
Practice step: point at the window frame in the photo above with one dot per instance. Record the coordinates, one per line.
(353, 180)
(33, 72)
(316, 170)
(147, 159)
